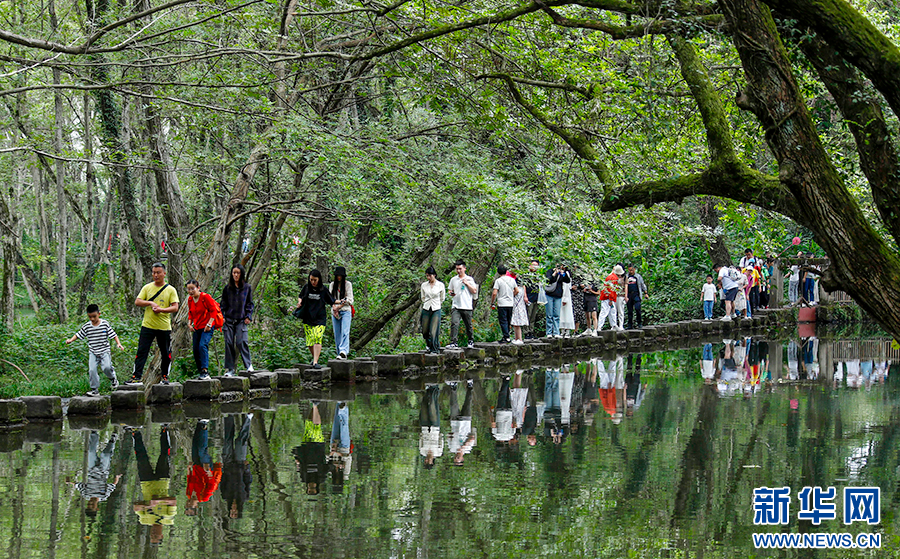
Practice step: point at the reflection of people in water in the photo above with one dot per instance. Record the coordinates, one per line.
(158, 506)
(502, 424)
(96, 488)
(462, 437)
(310, 455)
(553, 425)
(530, 417)
(634, 390)
(809, 347)
(236, 476)
(431, 445)
(793, 361)
(341, 456)
(729, 378)
(204, 477)
(707, 364)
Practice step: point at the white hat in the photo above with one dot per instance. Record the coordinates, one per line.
(618, 270)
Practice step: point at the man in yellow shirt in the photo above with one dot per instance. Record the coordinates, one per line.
(159, 300)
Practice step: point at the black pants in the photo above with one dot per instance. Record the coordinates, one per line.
(634, 305)
(163, 340)
(504, 397)
(455, 412)
(504, 316)
(145, 469)
(429, 415)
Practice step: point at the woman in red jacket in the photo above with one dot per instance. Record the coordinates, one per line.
(202, 313)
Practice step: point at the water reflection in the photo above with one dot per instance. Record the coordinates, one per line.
(606, 457)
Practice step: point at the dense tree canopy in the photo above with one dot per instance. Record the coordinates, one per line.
(391, 136)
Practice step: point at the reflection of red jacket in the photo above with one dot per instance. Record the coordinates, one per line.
(202, 483)
(608, 399)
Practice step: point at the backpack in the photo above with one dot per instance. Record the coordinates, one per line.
(218, 317)
(734, 275)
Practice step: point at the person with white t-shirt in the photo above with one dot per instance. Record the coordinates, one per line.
(462, 291)
(503, 297)
(730, 287)
(708, 293)
(794, 284)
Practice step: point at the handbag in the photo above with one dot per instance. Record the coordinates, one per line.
(542, 297)
(299, 313)
(551, 287)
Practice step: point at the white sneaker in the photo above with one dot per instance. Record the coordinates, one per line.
(594, 333)
(250, 369)
(725, 318)
(229, 373)
(114, 383)
(518, 342)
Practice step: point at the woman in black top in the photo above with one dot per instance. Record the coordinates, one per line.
(311, 309)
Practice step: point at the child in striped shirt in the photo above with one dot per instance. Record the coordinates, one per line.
(98, 332)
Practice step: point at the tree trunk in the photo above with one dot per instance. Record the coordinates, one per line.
(714, 240)
(61, 204)
(262, 263)
(862, 263)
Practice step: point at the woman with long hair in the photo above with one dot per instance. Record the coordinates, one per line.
(342, 311)
(237, 308)
(311, 306)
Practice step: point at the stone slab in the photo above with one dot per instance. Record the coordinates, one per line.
(491, 349)
(129, 387)
(128, 399)
(317, 375)
(415, 359)
(367, 368)
(12, 412)
(260, 393)
(195, 389)
(43, 408)
(85, 405)
(263, 380)
(234, 384)
(231, 396)
(235, 406)
(475, 353)
(166, 394)
(129, 418)
(288, 380)
(342, 370)
(390, 364)
(433, 359)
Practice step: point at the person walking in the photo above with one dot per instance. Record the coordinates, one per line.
(311, 310)
(532, 285)
(794, 282)
(98, 332)
(431, 445)
(556, 280)
(159, 301)
(203, 312)
(621, 299)
(432, 294)
(608, 298)
(730, 288)
(237, 308)
(462, 290)
(635, 292)
(503, 298)
(342, 314)
(519, 319)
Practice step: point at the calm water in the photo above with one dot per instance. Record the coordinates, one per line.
(644, 456)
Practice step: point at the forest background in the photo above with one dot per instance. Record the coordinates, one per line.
(287, 135)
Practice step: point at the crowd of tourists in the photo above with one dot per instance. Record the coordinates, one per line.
(556, 302)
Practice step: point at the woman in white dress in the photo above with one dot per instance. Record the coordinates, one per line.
(519, 314)
(566, 315)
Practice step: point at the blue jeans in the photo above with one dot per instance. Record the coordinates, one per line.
(341, 327)
(552, 310)
(708, 309)
(201, 348)
(340, 428)
(200, 446)
(809, 290)
(431, 329)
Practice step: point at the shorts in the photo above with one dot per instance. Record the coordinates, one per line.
(590, 305)
(731, 294)
(313, 334)
(312, 433)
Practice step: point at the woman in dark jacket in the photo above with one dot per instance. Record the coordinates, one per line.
(312, 309)
(237, 308)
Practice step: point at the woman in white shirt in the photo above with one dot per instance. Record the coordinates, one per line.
(342, 311)
(432, 295)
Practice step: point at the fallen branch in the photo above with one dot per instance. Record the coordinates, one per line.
(17, 368)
